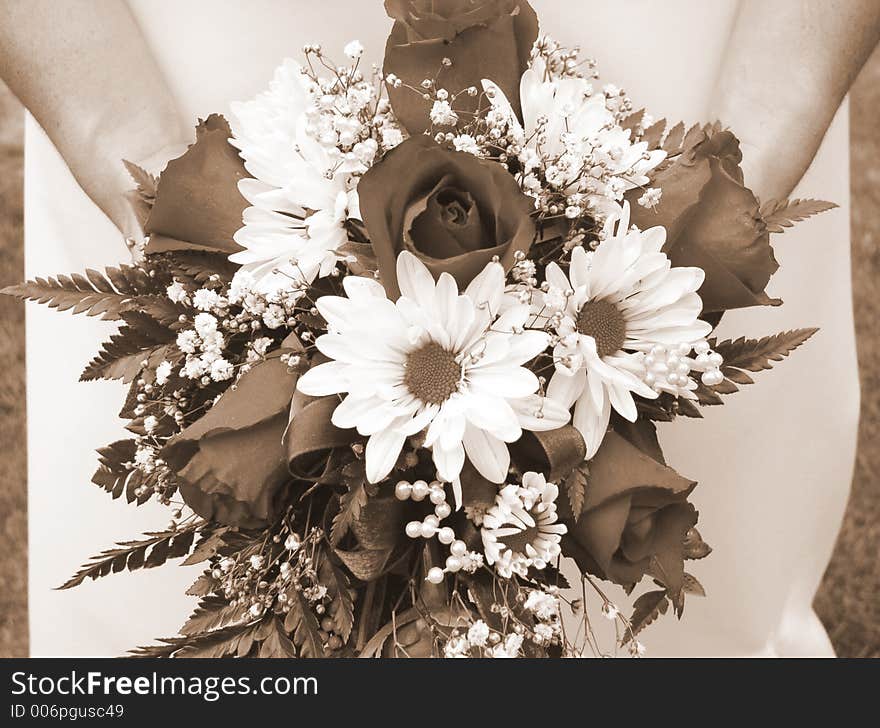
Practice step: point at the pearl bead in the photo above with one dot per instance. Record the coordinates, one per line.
(403, 490)
(683, 349)
(672, 361)
(413, 529)
(419, 490)
(715, 359)
(658, 350)
(443, 510)
(427, 530)
(650, 379)
(672, 379)
(458, 548)
(683, 369)
(453, 564)
(437, 497)
(446, 535)
(702, 347)
(435, 575)
(649, 361)
(702, 360)
(433, 520)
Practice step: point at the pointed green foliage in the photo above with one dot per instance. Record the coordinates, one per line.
(781, 214)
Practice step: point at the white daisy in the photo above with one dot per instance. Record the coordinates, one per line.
(433, 359)
(565, 123)
(624, 303)
(520, 529)
(300, 194)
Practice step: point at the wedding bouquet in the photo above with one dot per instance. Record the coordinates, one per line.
(397, 342)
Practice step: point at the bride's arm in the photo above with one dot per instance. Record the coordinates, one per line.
(786, 69)
(84, 70)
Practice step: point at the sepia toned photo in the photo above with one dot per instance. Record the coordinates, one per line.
(439, 328)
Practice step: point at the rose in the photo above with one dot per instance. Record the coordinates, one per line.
(198, 205)
(483, 39)
(231, 464)
(451, 209)
(713, 222)
(635, 515)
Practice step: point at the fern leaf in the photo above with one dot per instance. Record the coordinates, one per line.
(147, 553)
(198, 267)
(277, 644)
(646, 609)
(350, 506)
(339, 589)
(145, 182)
(576, 485)
(94, 294)
(115, 473)
(303, 625)
(225, 642)
(210, 614)
(126, 353)
(781, 214)
(756, 355)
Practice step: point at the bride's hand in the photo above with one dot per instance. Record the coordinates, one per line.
(787, 66)
(84, 70)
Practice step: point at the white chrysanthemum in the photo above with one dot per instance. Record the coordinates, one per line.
(564, 121)
(621, 302)
(520, 529)
(301, 192)
(433, 359)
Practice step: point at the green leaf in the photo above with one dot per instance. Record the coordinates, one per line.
(781, 214)
(646, 609)
(147, 553)
(95, 294)
(576, 486)
(303, 624)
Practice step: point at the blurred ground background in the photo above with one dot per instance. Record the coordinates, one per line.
(849, 600)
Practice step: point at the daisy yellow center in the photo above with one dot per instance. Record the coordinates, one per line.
(604, 322)
(432, 374)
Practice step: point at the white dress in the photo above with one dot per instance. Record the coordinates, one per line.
(774, 464)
